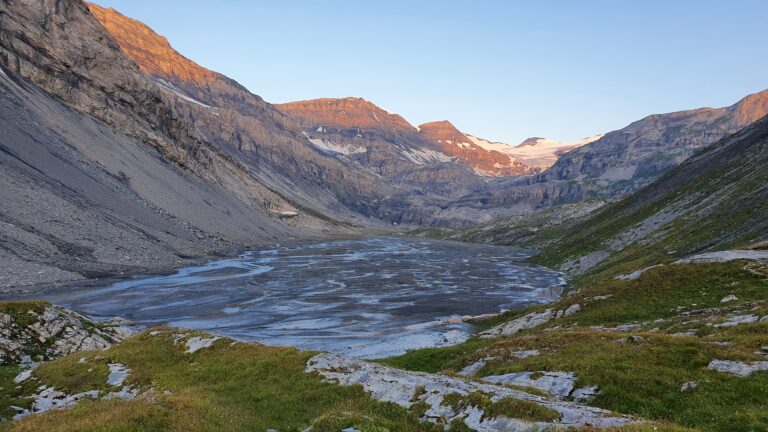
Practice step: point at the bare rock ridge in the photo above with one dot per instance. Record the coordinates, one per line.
(647, 148)
(106, 171)
(355, 125)
(365, 138)
(623, 161)
(715, 200)
(456, 143)
(145, 47)
(344, 113)
(369, 163)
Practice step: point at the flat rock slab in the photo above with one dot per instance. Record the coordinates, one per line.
(737, 368)
(725, 256)
(406, 388)
(118, 373)
(197, 343)
(556, 383)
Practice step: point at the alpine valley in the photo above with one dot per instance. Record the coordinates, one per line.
(177, 253)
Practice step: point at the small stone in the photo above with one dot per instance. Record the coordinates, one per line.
(738, 320)
(690, 385)
(728, 298)
(572, 309)
(585, 394)
(737, 368)
(117, 374)
(197, 343)
(22, 377)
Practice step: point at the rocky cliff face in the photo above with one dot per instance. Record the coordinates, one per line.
(430, 143)
(344, 157)
(487, 162)
(345, 113)
(356, 130)
(106, 172)
(643, 150)
(715, 200)
(623, 161)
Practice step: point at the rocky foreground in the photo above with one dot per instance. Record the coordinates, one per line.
(681, 347)
(36, 334)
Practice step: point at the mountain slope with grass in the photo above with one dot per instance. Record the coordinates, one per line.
(717, 199)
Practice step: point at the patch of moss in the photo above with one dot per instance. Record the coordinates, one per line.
(522, 409)
(437, 359)
(19, 311)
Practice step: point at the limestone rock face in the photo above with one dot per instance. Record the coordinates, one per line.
(455, 143)
(623, 161)
(50, 332)
(647, 148)
(344, 113)
(145, 47)
(355, 123)
(407, 388)
(320, 153)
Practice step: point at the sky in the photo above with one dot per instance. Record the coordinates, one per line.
(503, 70)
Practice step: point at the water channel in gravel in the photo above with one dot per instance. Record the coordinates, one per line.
(367, 298)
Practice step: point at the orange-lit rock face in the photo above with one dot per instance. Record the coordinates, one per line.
(151, 52)
(752, 108)
(346, 113)
(455, 143)
(356, 113)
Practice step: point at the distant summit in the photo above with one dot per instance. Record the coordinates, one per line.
(437, 142)
(535, 152)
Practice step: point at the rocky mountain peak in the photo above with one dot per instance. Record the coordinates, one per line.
(445, 132)
(344, 113)
(151, 51)
(455, 143)
(529, 142)
(751, 108)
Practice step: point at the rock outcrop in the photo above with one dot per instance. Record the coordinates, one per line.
(31, 332)
(432, 391)
(715, 201)
(649, 147)
(106, 171)
(482, 160)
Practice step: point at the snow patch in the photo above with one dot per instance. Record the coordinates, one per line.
(426, 156)
(331, 147)
(542, 154)
(170, 87)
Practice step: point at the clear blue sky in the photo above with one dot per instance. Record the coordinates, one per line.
(503, 70)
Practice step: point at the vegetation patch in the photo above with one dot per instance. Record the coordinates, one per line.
(233, 387)
(451, 358)
(522, 409)
(506, 407)
(19, 311)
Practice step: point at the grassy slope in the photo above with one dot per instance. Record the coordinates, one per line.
(252, 387)
(644, 377)
(720, 199)
(240, 387)
(720, 196)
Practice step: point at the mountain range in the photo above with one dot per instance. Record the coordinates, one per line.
(162, 159)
